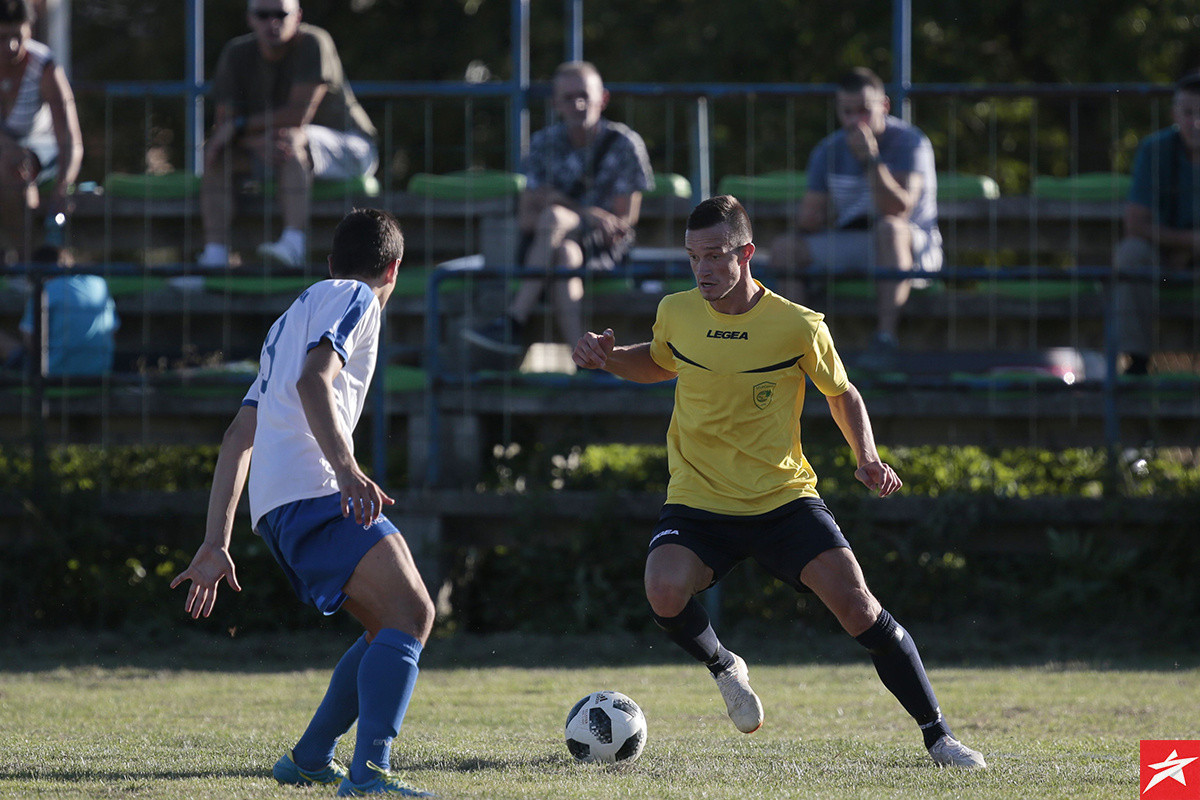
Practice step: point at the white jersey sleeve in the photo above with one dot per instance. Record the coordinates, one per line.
(287, 464)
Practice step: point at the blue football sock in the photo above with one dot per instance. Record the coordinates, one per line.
(386, 678)
(899, 666)
(335, 715)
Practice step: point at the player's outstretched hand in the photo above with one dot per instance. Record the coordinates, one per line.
(593, 349)
(878, 477)
(362, 497)
(208, 567)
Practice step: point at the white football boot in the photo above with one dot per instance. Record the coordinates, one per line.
(741, 702)
(950, 752)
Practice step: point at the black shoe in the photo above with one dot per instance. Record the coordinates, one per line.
(501, 335)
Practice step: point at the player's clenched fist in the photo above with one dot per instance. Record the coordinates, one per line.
(592, 350)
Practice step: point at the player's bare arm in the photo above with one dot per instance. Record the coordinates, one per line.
(895, 193)
(1139, 221)
(850, 413)
(361, 496)
(299, 110)
(631, 362)
(212, 561)
(619, 223)
(814, 211)
(61, 100)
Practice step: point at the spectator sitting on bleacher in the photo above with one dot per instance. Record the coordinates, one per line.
(584, 181)
(1162, 219)
(281, 97)
(81, 319)
(39, 131)
(871, 202)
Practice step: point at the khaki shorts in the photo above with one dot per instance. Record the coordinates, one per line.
(338, 155)
(837, 251)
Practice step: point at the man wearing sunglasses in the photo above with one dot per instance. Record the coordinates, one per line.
(284, 112)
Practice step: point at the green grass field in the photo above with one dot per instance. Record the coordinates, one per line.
(206, 719)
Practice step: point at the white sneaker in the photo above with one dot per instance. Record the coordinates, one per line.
(950, 752)
(282, 253)
(741, 702)
(213, 256)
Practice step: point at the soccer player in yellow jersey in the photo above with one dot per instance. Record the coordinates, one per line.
(740, 485)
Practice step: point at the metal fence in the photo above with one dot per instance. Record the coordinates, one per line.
(1028, 270)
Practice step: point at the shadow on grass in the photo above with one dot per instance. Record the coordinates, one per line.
(484, 764)
(960, 644)
(73, 775)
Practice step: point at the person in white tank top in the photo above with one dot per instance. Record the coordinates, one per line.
(39, 131)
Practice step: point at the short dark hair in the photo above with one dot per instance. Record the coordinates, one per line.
(858, 79)
(724, 208)
(364, 243)
(15, 11)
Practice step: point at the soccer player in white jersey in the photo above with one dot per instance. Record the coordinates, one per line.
(320, 515)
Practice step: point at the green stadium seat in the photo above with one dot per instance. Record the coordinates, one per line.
(1087, 186)
(358, 186)
(475, 184)
(401, 378)
(134, 285)
(171, 186)
(954, 186)
(670, 184)
(180, 185)
(777, 186)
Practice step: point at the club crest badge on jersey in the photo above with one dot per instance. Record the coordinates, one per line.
(1170, 769)
(764, 393)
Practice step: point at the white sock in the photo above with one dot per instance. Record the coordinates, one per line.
(215, 252)
(293, 238)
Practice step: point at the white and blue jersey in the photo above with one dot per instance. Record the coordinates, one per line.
(288, 465)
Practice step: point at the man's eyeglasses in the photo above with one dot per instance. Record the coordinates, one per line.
(264, 15)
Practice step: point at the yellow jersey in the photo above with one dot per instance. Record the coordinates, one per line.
(733, 446)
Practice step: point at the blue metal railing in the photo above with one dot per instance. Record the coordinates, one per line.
(1107, 277)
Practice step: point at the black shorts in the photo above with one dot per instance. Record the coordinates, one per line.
(783, 541)
(598, 254)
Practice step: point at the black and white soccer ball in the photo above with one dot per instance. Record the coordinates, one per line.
(606, 727)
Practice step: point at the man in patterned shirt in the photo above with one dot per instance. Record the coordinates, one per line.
(584, 181)
(740, 484)
(871, 201)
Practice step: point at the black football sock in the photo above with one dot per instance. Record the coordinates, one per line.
(899, 666)
(692, 631)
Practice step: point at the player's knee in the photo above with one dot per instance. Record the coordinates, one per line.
(893, 229)
(1134, 252)
(569, 255)
(857, 611)
(556, 218)
(423, 613)
(667, 597)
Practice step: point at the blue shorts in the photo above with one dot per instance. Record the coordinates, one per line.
(783, 540)
(318, 548)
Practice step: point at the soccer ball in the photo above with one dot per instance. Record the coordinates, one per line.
(606, 726)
